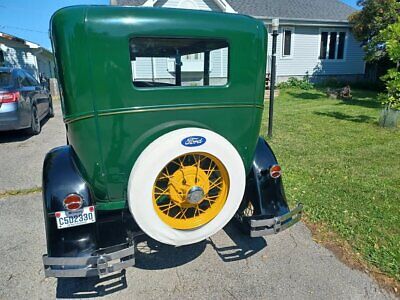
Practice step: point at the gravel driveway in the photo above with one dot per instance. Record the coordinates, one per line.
(226, 266)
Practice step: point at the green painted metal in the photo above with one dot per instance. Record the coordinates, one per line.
(109, 121)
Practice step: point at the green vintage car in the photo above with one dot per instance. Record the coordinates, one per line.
(162, 110)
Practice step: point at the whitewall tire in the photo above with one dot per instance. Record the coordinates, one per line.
(161, 152)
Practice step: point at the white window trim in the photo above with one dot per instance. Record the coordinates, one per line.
(346, 42)
(283, 42)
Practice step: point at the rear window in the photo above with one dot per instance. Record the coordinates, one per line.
(163, 62)
(5, 80)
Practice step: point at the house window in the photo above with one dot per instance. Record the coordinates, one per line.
(163, 62)
(342, 37)
(324, 43)
(332, 45)
(287, 42)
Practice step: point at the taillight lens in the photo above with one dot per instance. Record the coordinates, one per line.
(9, 97)
(275, 171)
(73, 202)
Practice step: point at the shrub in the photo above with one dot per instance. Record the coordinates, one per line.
(293, 82)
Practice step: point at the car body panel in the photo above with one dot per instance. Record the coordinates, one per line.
(17, 115)
(109, 121)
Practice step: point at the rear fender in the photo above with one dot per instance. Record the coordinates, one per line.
(61, 177)
(265, 193)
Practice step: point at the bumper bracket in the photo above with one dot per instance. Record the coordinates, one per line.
(260, 225)
(95, 265)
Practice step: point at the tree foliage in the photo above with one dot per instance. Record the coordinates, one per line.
(391, 38)
(375, 16)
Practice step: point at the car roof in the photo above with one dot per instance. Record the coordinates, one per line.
(6, 69)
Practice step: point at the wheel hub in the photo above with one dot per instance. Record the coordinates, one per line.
(191, 190)
(195, 195)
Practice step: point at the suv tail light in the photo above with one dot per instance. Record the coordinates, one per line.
(9, 97)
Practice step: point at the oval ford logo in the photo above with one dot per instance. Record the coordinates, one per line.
(193, 141)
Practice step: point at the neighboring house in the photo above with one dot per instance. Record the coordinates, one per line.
(314, 39)
(19, 53)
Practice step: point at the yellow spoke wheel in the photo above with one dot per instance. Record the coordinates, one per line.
(190, 190)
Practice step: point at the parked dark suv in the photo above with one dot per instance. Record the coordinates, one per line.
(23, 101)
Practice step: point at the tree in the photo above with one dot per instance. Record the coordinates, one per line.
(391, 38)
(375, 16)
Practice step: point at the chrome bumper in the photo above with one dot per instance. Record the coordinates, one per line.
(264, 226)
(86, 266)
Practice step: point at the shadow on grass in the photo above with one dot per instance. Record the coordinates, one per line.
(345, 117)
(364, 102)
(306, 95)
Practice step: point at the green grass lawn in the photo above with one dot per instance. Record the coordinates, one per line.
(344, 168)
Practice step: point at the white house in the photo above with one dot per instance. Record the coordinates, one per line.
(19, 53)
(314, 39)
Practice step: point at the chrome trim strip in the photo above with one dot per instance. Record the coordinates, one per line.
(139, 110)
(100, 264)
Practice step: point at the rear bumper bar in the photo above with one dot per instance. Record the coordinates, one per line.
(260, 226)
(86, 266)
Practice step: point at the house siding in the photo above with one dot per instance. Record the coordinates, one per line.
(25, 58)
(20, 58)
(305, 57)
(305, 46)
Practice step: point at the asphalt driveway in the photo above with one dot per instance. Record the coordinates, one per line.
(22, 155)
(229, 265)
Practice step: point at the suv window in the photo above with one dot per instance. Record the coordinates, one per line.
(31, 79)
(22, 79)
(5, 80)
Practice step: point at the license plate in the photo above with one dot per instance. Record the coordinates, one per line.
(66, 219)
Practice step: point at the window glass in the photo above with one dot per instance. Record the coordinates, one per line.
(332, 45)
(342, 37)
(22, 79)
(324, 43)
(161, 62)
(31, 79)
(287, 42)
(5, 80)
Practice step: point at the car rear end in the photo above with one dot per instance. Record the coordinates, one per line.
(10, 116)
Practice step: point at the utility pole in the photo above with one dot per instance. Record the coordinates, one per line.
(275, 27)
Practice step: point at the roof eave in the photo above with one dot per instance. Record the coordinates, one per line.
(297, 20)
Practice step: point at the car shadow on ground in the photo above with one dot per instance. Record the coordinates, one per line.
(18, 135)
(242, 247)
(152, 255)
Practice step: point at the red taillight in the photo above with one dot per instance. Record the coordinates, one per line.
(9, 97)
(73, 202)
(275, 171)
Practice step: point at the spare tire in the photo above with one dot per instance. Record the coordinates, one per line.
(185, 186)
